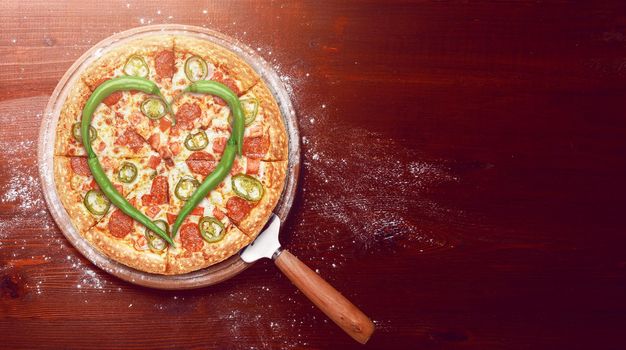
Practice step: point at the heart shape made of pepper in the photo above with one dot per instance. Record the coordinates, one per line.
(233, 145)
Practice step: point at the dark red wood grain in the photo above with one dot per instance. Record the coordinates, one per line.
(462, 179)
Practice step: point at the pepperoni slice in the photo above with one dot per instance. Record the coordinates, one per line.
(164, 64)
(236, 168)
(186, 114)
(218, 214)
(238, 208)
(120, 224)
(131, 139)
(201, 163)
(158, 192)
(197, 211)
(153, 211)
(219, 76)
(219, 144)
(256, 147)
(164, 124)
(190, 237)
(79, 166)
(112, 98)
(170, 218)
(160, 189)
(252, 166)
(154, 140)
(154, 162)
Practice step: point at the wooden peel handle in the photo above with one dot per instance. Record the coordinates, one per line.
(326, 298)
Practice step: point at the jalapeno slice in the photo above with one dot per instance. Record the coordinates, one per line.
(250, 110)
(136, 66)
(76, 133)
(195, 68)
(211, 229)
(156, 243)
(196, 141)
(96, 202)
(153, 108)
(185, 187)
(247, 187)
(127, 172)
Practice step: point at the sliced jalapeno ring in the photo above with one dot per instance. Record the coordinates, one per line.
(196, 141)
(127, 172)
(156, 243)
(136, 66)
(153, 108)
(96, 202)
(76, 133)
(250, 110)
(185, 187)
(211, 229)
(195, 68)
(247, 187)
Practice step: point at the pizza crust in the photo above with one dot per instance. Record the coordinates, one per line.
(220, 57)
(112, 63)
(72, 200)
(180, 261)
(71, 112)
(121, 250)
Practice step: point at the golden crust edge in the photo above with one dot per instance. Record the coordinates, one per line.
(273, 123)
(114, 59)
(71, 200)
(220, 57)
(216, 252)
(122, 252)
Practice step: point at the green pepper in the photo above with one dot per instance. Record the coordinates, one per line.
(127, 172)
(195, 68)
(234, 145)
(211, 229)
(153, 108)
(76, 133)
(156, 243)
(210, 182)
(197, 141)
(136, 66)
(107, 188)
(186, 187)
(96, 202)
(247, 187)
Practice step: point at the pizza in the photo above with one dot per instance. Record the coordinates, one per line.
(156, 158)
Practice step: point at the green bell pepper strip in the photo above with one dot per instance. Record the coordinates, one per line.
(104, 90)
(222, 91)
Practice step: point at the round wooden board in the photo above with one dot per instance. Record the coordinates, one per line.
(201, 278)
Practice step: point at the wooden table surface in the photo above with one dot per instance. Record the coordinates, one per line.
(463, 179)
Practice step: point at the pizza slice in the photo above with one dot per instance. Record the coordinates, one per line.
(150, 57)
(124, 239)
(80, 194)
(202, 60)
(207, 236)
(265, 137)
(250, 192)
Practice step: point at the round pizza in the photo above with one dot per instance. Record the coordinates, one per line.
(157, 150)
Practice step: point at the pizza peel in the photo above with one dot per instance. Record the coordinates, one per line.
(339, 309)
